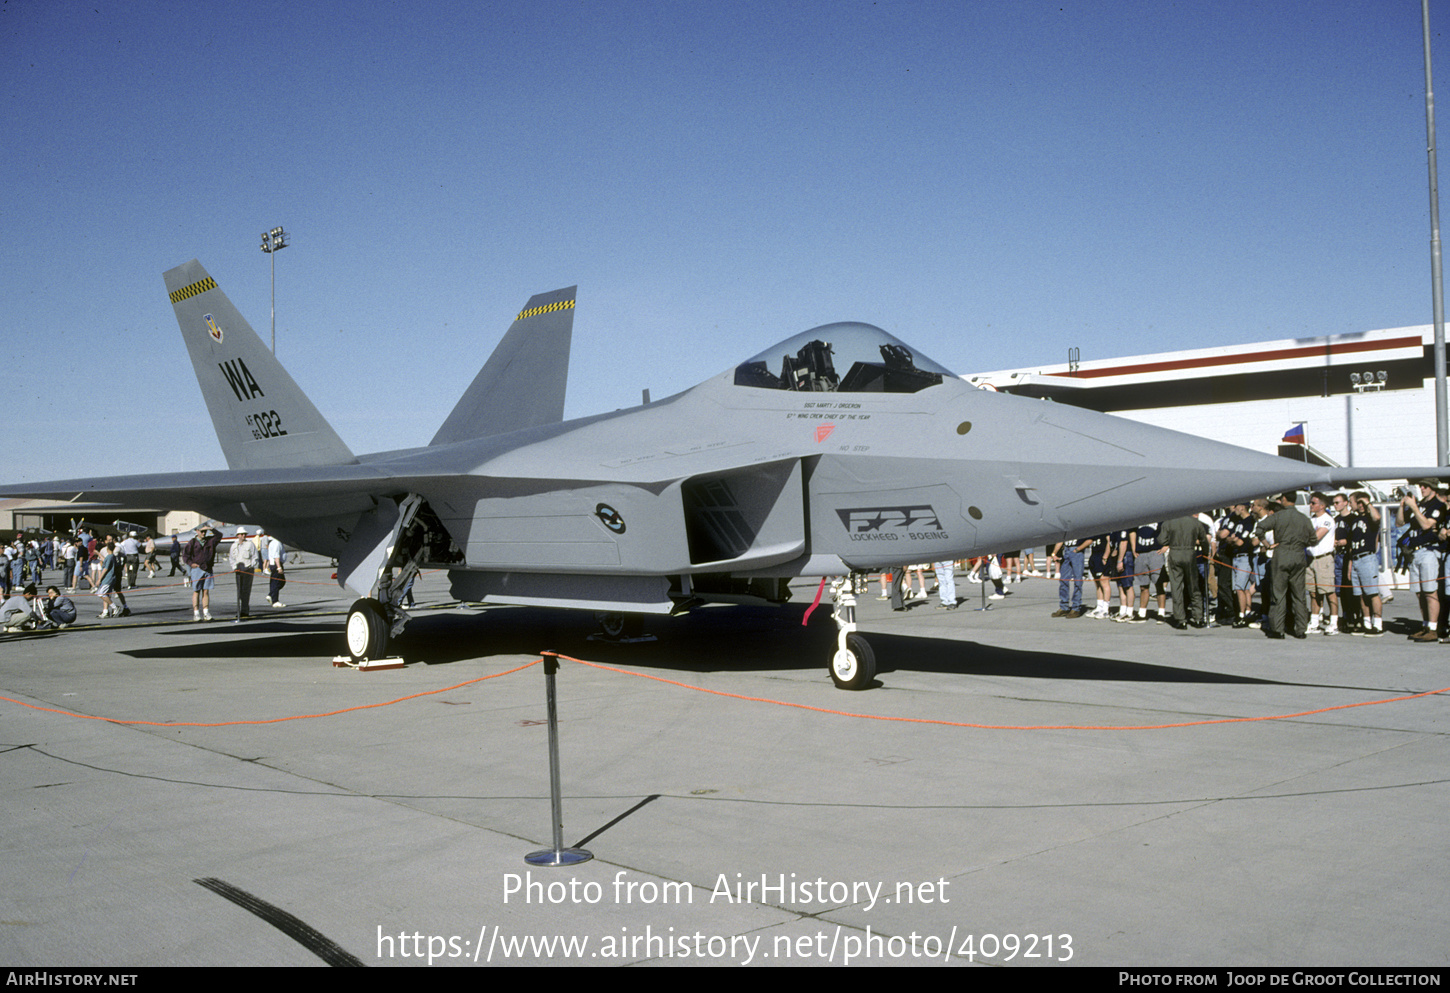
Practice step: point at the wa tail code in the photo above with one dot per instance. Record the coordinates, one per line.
(239, 378)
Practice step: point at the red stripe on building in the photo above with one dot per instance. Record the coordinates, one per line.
(1310, 351)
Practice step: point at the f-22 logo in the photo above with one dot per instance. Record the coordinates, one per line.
(863, 520)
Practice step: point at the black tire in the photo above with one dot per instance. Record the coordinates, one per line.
(367, 630)
(855, 668)
(616, 627)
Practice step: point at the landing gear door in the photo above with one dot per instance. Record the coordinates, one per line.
(368, 548)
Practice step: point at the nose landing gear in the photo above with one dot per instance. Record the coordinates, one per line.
(853, 667)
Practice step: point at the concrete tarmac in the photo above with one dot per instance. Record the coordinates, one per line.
(1017, 790)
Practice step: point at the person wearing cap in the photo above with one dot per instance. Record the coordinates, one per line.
(1293, 536)
(244, 566)
(1351, 603)
(275, 556)
(16, 613)
(1426, 519)
(1320, 573)
(1361, 549)
(200, 558)
(130, 551)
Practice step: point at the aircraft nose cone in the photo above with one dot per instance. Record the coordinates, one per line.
(1094, 467)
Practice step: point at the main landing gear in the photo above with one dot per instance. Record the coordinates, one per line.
(853, 667)
(373, 621)
(367, 630)
(622, 629)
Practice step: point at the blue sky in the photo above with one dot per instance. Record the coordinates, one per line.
(992, 182)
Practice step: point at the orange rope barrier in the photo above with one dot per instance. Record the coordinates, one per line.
(751, 699)
(271, 720)
(1002, 727)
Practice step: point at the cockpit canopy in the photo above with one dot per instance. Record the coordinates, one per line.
(874, 361)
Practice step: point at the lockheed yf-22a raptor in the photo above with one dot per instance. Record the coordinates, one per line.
(838, 451)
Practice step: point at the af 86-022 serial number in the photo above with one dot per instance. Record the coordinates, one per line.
(265, 425)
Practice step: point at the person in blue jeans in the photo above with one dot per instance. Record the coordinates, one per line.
(1069, 585)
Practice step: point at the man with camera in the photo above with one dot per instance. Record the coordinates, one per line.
(1361, 550)
(1425, 543)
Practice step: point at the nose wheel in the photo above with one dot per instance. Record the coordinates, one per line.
(853, 667)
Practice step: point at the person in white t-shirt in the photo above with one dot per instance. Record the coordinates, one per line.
(1320, 577)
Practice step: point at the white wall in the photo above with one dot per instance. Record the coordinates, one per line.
(1392, 428)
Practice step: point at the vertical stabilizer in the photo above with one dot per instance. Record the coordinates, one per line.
(522, 384)
(262, 417)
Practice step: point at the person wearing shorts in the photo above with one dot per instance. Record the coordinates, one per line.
(200, 557)
(1425, 518)
(1320, 578)
(1362, 549)
(1123, 575)
(1149, 565)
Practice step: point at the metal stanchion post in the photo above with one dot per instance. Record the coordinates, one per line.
(558, 855)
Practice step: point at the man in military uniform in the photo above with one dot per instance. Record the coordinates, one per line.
(1184, 538)
(1293, 535)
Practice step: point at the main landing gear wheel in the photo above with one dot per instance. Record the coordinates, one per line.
(620, 627)
(367, 630)
(854, 667)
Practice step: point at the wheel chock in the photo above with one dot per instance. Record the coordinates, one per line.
(367, 665)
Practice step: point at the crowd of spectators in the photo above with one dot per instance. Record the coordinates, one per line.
(1267, 564)
(106, 566)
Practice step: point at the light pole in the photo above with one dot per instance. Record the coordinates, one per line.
(273, 242)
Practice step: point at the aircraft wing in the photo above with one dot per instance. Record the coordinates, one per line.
(183, 489)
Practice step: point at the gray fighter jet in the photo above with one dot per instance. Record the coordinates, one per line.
(837, 451)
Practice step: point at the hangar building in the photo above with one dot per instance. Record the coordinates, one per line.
(1362, 399)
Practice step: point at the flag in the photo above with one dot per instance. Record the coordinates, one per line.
(1295, 435)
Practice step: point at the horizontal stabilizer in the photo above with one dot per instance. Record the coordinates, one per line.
(262, 417)
(522, 384)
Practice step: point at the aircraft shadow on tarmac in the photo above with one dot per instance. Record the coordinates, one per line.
(720, 639)
(219, 641)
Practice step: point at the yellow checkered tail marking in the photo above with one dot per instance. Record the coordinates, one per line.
(548, 308)
(187, 292)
